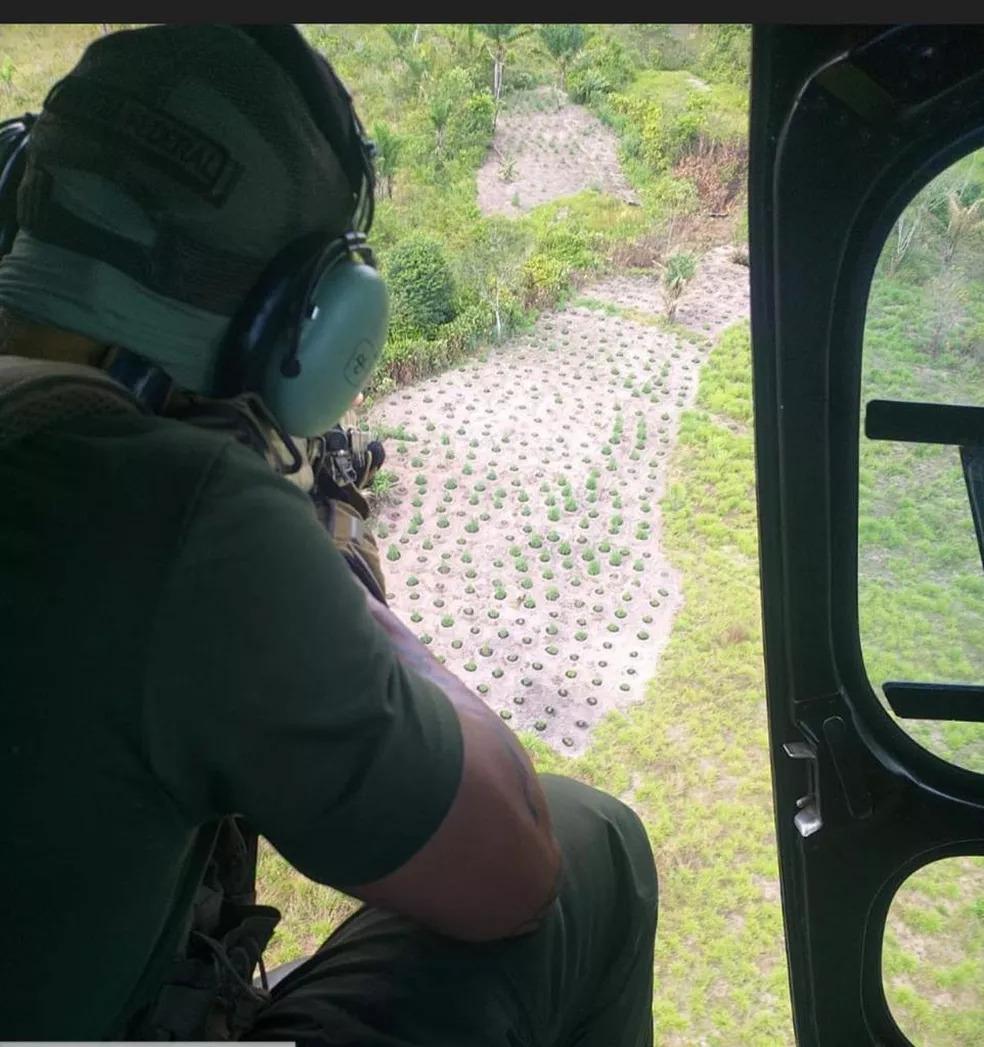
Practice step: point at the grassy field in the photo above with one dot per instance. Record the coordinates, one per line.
(921, 589)
(33, 57)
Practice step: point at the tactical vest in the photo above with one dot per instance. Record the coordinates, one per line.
(208, 994)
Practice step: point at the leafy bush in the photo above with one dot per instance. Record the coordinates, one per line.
(587, 85)
(544, 278)
(573, 247)
(643, 130)
(685, 132)
(725, 53)
(609, 58)
(421, 287)
(470, 123)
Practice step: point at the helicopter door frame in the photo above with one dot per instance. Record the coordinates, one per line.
(847, 124)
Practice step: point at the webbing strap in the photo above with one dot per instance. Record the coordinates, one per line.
(37, 394)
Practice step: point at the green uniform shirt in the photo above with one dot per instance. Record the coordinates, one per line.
(180, 640)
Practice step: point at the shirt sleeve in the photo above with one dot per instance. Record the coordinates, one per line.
(272, 693)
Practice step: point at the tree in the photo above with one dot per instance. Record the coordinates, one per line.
(677, 273)
(446, 97)
(464, 46)
(905, 230)
(501, 35)
(563, 44)
(389, 145)
(493, 264)
(439, 112)
(726, 52)
(962, 222)
(489, 273)
(406, 38)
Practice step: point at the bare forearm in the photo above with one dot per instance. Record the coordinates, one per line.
(416, 657)
(492, 867)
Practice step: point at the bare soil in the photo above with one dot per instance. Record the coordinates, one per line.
(524, 523)
(546, 148)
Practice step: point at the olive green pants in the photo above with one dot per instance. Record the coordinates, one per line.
(584, 977)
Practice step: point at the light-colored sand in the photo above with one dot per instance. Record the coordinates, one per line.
(511, 461)
(556, 150)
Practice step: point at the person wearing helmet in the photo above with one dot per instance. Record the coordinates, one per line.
(187, 296)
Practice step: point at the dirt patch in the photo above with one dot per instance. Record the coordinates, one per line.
(546, 148)
(717, 296)
(769, 888)
(524, 533)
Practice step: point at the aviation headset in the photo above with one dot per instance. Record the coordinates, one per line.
(313, 326)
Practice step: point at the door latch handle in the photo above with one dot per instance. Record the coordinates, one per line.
(807, 818)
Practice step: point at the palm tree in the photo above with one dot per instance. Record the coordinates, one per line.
(439, 113)
(563, 43)
(406, 38)
(501, 35)
(677, 273)
(962, 221)
(388, 147)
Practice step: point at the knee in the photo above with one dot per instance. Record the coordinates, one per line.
(567, 797)
(586, 817)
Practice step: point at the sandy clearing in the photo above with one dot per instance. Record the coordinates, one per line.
(555, 149)
(526, 512)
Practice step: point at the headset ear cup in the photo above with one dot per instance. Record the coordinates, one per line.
(259, 331)
(14, 136)
(339, 343)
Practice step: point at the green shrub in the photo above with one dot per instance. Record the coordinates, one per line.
(643, 127)
(587, 85)
(576, 248)
(470, 124)
(602, 67)
(544, 279)
(421, 287)
(686, 131)
(725, 53)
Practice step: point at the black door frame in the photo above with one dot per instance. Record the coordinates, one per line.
(847, 124)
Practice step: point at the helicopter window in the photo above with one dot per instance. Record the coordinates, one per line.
(931, 953)
(921, 469)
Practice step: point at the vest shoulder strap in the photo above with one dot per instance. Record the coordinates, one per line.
(37, 394)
